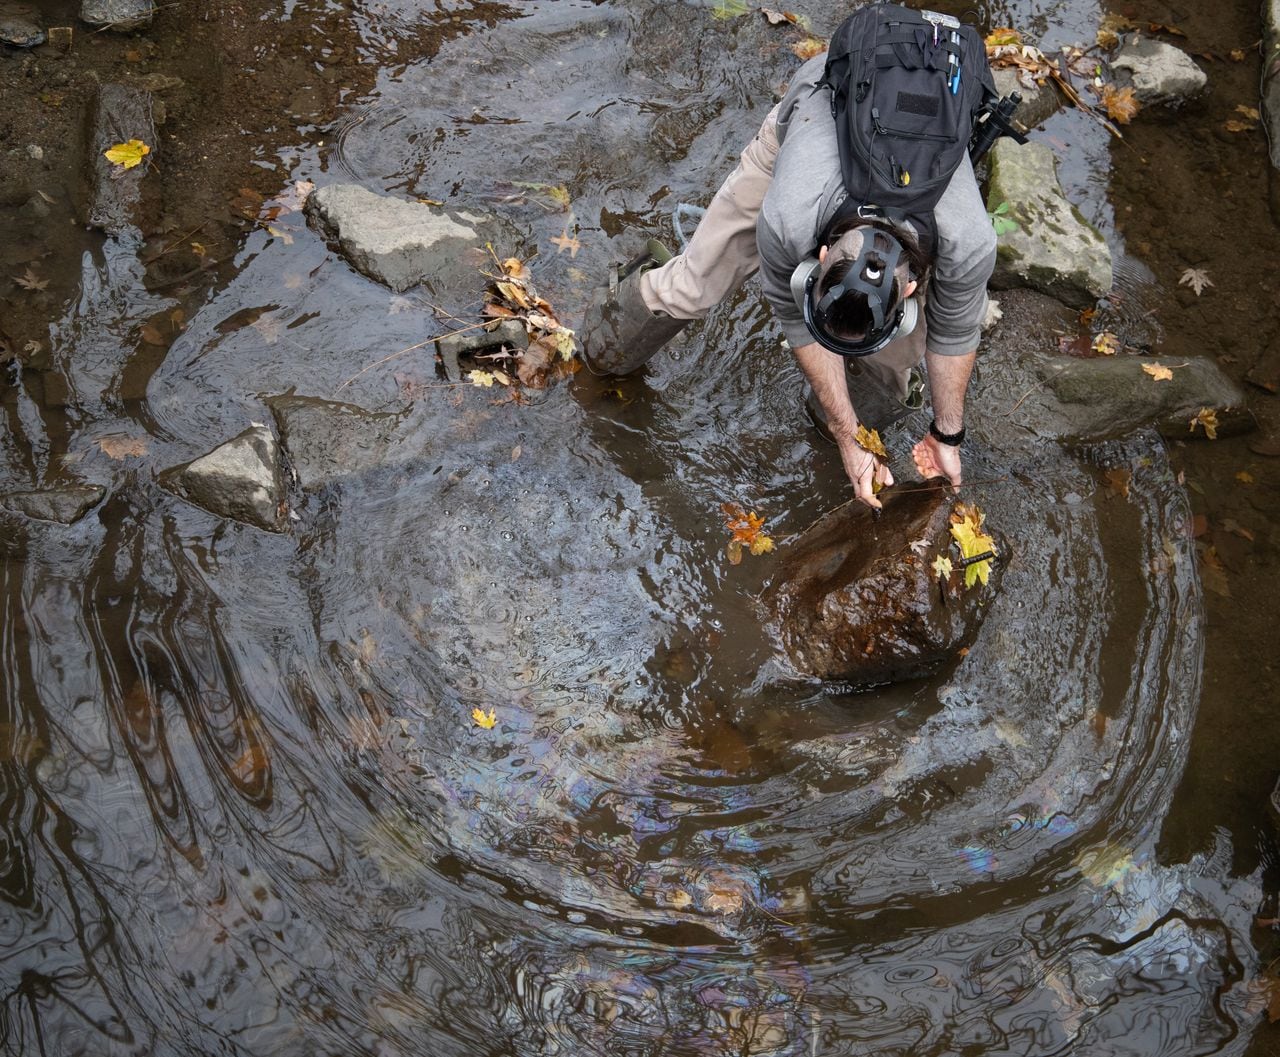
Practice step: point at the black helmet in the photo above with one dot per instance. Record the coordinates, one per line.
(871, 273)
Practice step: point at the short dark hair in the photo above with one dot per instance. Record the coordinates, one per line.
(851, 317)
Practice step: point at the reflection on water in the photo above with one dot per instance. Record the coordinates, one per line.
(246, 811)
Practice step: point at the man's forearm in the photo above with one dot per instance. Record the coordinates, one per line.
(825, 372)
(948, 381)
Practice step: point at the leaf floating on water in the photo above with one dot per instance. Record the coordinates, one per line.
(1121, 104)
(1207, 419)
(809, 47)
(942, 567)
(1106, 344)
(565, 241)
(484, 379)
(967, 531)
(1244, 477)
(729, 8)
(1197, 279)
(1118, 480)
(1158, 371)
(748, 531)
(1002, 37)
(482, 719)
(121, 447)
(128, 154)
(28, 280)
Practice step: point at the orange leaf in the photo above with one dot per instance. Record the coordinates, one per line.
(809, 47)
(1120, 103)
(1158, 371)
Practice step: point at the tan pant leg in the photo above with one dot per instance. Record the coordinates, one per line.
(891, 366)
(721, 255)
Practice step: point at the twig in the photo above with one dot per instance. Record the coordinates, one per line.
(173, 245)
(401, 352)
(1038, 385)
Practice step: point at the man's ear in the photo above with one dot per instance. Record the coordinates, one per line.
(911, 289)
(822, 254)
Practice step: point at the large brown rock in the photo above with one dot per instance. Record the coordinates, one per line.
(855, 597)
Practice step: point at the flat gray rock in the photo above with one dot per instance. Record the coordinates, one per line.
(1107, 397)
(65, 505)
(400, 243)
(1158, 72)
(119, 115)
(1040, 101)
(18, 27)
(1271, 76)
(1053, 248)
(240, 479)
(327, 441)
(124, 16)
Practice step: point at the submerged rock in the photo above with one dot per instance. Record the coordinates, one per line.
(1053, 248)
(124, 16)
(240, 479)
(402, 243)
(1100, 399)
(119, 115)
(326, 440)
(18, 27)
(1158, 72)
(855, 598)
(65, 505)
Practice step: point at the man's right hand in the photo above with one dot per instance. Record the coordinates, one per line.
(864, 469)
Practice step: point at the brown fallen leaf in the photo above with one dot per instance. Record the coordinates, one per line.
(568, 242)
(748, 531)
(1158, 371)
(1251, 112)
(809, 47)
(1118, 480)
(118, 446)
(1237, 54)
(1121, 104)
(28, 280)
(516, 452)
(1106, 344)
(1199, 525)
(779, 18)
(1237, 529)
(1244, 477)
(152, 336)
(1162, 27)
(1239, 126)
(1207, 419)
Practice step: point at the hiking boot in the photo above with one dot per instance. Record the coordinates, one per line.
(620, 333)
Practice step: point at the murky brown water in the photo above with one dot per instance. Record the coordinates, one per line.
(245, 810)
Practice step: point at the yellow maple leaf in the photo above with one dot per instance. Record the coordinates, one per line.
(1106, 344)
(966, 530)
(1207, 419)
(809, 47)
(1121, 104)
(942, 567)
(1158, 371)
(128, 154)
(484, 720)
(482, 378)
(747, 529)
(869, 440)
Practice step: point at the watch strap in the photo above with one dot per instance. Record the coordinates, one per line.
(953, 440)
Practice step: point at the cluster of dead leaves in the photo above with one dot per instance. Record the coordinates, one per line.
(808, 45)
(1005, 48)
(551, 351)
(976, 546)
(267, 213)
(747, 529)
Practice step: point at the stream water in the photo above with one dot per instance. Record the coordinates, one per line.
(245, 809)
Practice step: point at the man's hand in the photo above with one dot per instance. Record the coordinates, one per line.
(935, 459)
(864, 469)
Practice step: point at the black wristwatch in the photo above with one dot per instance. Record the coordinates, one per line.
(953, 440)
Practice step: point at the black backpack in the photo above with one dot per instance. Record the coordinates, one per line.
(906, 87)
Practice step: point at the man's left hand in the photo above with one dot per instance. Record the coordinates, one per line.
(935, 459)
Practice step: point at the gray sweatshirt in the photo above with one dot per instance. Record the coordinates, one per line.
(806, 190)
